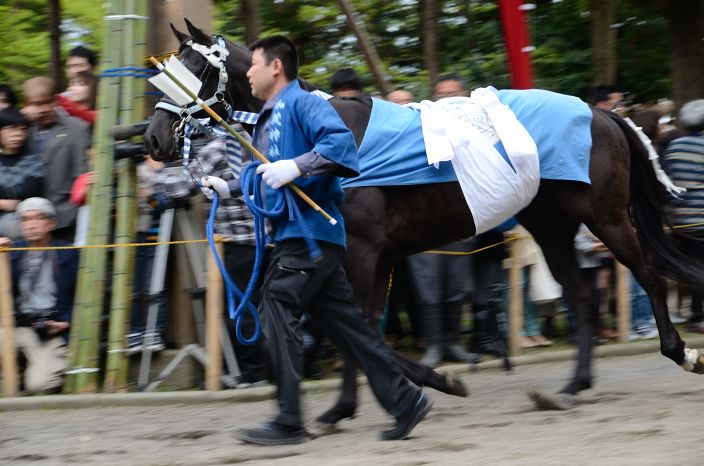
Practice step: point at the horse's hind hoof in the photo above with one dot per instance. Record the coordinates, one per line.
(550, 402)
(455, 385)
(693, 361)
(334, 415)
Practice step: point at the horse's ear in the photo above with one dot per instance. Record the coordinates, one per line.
(199, 37)
(179, 35)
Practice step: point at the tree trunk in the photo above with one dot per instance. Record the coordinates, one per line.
(55, 38)
(375, 65)
(251, 18)
(603, 39)
(686, 33)
(430, 38)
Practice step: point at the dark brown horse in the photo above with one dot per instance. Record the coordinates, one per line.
(386, 223)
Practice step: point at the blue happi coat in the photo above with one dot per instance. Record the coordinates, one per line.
(300, 123)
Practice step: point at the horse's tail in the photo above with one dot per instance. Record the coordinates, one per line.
(647, 201)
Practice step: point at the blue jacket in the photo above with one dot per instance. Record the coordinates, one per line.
(299, 123)
(65, 273)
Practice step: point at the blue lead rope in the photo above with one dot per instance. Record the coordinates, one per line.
(231, 290)
(252, 194)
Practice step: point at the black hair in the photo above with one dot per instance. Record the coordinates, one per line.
(282, 48)
(9, 94)
(601, 93)
(85, 52)
(449, 77)
(344, 79)
(11, 116)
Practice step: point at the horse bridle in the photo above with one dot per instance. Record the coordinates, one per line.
(216, 55)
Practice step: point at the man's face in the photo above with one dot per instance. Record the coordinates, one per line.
(12, 138)
(36, 225)
(40, 107)
(262, 76)
(4, 101)
(400, 97)
(449, 88)
(75, 65)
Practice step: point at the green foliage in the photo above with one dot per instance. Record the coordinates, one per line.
(472, 42)
(24, 33)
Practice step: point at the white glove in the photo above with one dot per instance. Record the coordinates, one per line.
(279, 173)
(215, 184)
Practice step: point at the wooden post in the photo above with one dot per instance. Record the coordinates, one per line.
(7, 328)
(213, 320)
(515, 293)
(623, 302)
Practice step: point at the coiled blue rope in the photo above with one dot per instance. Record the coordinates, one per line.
(252, 194)
(232, 293)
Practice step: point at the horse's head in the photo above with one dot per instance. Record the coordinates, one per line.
(225, 87)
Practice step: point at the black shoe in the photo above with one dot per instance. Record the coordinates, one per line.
(272, 434)
(406, 423)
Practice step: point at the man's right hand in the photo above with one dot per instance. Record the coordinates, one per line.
(215, 184)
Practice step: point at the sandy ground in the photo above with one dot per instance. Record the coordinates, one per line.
(643, 411)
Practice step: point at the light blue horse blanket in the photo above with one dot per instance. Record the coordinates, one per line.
(392, 152)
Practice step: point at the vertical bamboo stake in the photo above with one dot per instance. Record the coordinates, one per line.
(131, 111)
(213, 320)
(515, 293)
(623, 302)
(7, 328)
(88, 308)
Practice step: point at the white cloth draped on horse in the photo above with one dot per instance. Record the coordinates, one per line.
(467, 132)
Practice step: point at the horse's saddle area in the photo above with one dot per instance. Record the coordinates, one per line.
(436, 142)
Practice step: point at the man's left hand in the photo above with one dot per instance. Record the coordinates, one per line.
(279, 173)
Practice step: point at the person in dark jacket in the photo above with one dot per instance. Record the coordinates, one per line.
(21, 172)
(43, 284)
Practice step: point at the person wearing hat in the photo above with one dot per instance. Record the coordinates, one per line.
(43, 285)
(21, 173)
(683, 161)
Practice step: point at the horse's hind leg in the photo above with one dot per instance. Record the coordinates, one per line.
(623, 243)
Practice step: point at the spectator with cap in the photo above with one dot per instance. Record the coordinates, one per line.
(43, 285)
(21, 172)
(683, 161)
(346, 83)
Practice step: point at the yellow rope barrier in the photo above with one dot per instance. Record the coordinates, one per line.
(105, 246)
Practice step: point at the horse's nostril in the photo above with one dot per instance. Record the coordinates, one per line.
(152, 144)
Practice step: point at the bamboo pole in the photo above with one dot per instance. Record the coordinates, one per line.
(82, 374)
(623, 302)
(241, 138)
(7, 329)
(213, 320)
(515, 293)
(131, 111)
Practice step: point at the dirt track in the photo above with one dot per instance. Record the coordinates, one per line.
(643, 411)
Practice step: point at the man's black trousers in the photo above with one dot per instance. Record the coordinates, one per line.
(295, 283)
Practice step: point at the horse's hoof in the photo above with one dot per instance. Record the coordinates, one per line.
(321, 429)
(693, 361)
(334, 415)
(455, 385)
(550, 402)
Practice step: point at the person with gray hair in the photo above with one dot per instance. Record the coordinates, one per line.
(683, 161)
(43, 286)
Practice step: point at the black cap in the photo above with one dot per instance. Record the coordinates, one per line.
(11, 116)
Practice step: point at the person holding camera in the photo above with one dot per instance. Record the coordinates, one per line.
(44, 284)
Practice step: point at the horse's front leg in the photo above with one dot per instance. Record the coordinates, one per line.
(346, 404)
